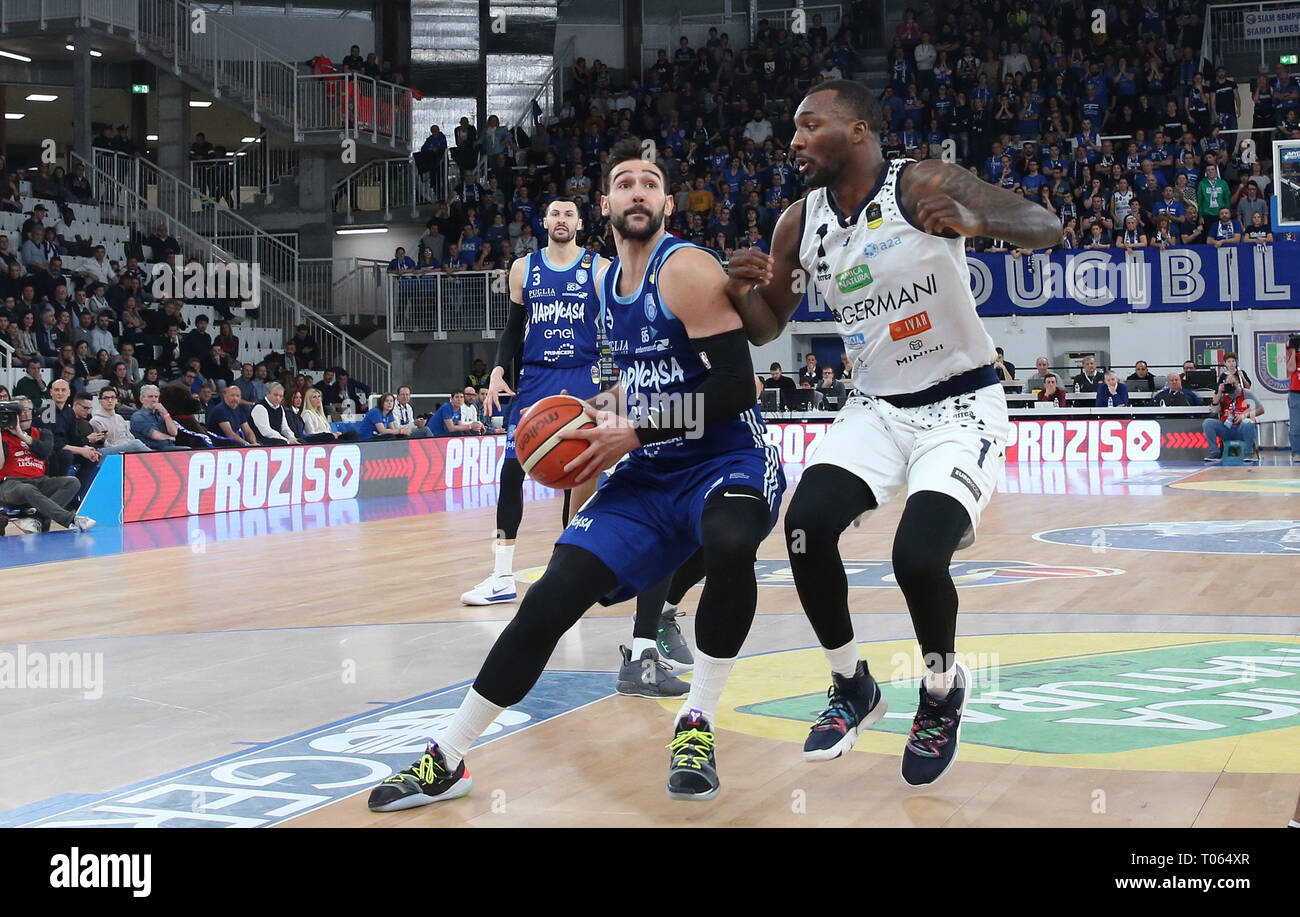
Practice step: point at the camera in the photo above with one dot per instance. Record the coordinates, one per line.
(9, 411)
(1229, 390)
(1294, 343)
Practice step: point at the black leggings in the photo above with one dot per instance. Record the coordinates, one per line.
(510, 500)
(650, 604)
(827, 500)
(576, 579)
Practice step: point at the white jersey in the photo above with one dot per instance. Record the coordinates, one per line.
(900, 296)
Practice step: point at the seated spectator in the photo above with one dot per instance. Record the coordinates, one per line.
(1146, 382)
(346, 395)
(831, 390)
(117, 432)
(230, 418)
(1226, 231)
(247, 386)
(293, 412)
(809, 369)
(1051, 390)
(469, 411)
(812, 401)
(1233, 373)
(1006, 370)
(447, 421)
(478, 375)
(1113, 393)
(24, 482)
(71, 448)
(152, 425)
(316, 426)
(1258, 231)
(1174, 395)
(407, 422)
(260, 381)
(101, 336)
(215, 367)
(1038, 381)
(32, 386)
(1235, 422)
(208, 397)
(784, 385)
(1090, 379)
(379, 422)
(268, 419)
(227, 341)
(197, 343)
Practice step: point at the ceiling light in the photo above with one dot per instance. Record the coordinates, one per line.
(194, 104)
(41, 97)
(96, 53)
(151, 137)
(71, 47)
(247, 139)
(19, 57)
(14, 116)
(359, 232)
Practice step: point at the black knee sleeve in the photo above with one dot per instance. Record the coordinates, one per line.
(827, 499)
(687, 575)
(928, 534)
(510, 500)
(735, 522)
(575, 579)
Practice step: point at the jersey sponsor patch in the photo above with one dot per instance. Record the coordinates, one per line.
(968, 481)
(855, 278)
(874, 218)
(907, 327)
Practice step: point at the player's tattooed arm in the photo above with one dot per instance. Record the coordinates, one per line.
(947, 200)
(766, 289)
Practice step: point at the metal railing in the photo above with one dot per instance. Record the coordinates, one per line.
(237, 67)
(345, 287)
(1224, 34)
(550, 92)
(437, 302)
(382, 186)
(257, 166)
(122, 192)
(354, 105)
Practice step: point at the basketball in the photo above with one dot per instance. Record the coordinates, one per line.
(541, 452)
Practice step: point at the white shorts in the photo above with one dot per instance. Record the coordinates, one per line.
(955, 446)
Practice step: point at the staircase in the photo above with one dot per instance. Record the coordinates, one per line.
(123, 185)
(216, 58)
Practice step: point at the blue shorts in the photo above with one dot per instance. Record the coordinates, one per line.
(644, 521)
(536, 383)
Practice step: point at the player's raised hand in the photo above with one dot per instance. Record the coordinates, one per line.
(748, 267)
(613, 437)
(938, 214)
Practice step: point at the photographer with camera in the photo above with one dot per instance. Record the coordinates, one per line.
(1293, 397)
(23, 481)
(1234, 422)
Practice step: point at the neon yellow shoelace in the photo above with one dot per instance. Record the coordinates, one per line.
(691, 748)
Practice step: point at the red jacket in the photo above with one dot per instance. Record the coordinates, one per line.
(20, 461)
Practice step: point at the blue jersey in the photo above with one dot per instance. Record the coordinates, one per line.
(658, 366)
(562, 310)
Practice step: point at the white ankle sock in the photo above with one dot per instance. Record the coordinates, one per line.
(640, 645)
(939, 685)
(707, 682)
(844, 660)
(1294, 823)
(475, 715)
(505, 560)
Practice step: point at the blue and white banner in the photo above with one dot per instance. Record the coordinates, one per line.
(1113, 281)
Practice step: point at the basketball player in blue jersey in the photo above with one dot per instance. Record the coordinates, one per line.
(882, 243)
(706, 481)
(552, 330)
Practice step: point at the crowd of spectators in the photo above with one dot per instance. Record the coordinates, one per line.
(1122, 133)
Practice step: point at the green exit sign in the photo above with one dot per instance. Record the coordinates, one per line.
(140, 89)
(1287, 59)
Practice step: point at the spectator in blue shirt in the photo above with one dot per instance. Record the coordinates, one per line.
(230, 419)
(447, 421)
(1225, 232)
(401, 262)
(436, 140)
(379, 422)
(1112, 393)
(152, 425)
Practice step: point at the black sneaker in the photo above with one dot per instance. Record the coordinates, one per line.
(932, 747)
(1213, 457)
(427, 780)
(853, 705)
(694, 773)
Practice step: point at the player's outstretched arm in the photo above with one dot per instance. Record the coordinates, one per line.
(766, 289)
(948, 200)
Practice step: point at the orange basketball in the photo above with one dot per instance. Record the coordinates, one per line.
(538, 446)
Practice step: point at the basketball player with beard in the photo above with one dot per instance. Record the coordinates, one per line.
(882, 242)
(706, 481)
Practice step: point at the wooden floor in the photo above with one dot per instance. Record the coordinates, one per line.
(249, 641)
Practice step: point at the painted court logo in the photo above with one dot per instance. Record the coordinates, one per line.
(1241, 536)
(1110, 703)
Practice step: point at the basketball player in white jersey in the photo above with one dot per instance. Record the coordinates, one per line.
(882, 243)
